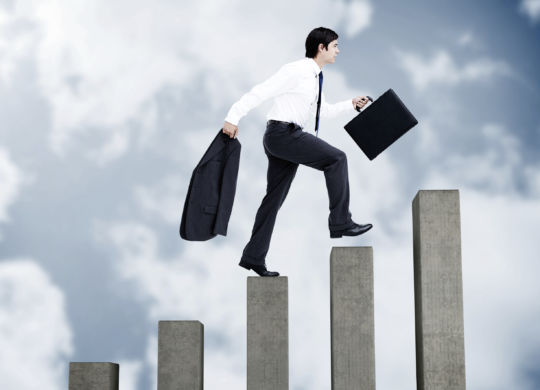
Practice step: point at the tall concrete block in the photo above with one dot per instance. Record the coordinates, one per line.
(180, 355)
(267, 333)
(93, 376)
(352, 318)
(438, 291)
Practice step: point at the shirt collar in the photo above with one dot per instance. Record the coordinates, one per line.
(313, 65)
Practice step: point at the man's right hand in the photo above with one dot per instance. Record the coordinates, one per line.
(230, 129)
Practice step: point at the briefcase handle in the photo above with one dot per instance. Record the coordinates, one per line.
(369, 98)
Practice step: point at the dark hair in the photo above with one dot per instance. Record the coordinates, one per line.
(315, 37)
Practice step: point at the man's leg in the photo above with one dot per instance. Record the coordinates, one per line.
(304, 148)
(280, 175)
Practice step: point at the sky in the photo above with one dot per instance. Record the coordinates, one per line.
(106, 108)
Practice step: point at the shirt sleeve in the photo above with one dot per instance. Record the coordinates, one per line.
(331, 110)
(278, 83)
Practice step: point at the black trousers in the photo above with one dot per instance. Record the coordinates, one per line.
(287, 146)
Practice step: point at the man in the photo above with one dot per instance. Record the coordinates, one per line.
(297, 92)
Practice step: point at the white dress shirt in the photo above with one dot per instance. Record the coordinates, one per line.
(295, 89)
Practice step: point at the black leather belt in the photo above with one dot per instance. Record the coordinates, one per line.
(292, 125)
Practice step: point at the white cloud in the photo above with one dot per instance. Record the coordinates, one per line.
(428, 144)
(495, 167)
(358, 16)
(152, 354)
(34, 331)
(114, 147)
(129, 374)
(469, 39)
(532, 175)
(466, 38)
(442, 69)
(531, 8)
(15, 43)
(11, 179)
(164, 198)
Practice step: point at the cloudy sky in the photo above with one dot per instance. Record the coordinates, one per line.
(106, 108)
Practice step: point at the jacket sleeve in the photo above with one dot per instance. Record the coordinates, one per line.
(228, 190)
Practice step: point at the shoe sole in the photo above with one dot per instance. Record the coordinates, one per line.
(249, 269)
(339, 233)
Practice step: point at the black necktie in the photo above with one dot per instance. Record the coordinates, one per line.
(318, 104)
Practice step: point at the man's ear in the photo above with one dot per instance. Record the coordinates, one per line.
(321, 47)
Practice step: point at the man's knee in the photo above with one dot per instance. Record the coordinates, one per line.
(340, 157)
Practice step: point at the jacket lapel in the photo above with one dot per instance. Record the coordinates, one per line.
(215, 147)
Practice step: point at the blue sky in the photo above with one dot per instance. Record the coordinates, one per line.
(105, 109)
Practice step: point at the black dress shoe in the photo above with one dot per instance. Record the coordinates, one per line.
(354, 230)
(259, 269)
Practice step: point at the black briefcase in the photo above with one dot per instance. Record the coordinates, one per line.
(380, 124)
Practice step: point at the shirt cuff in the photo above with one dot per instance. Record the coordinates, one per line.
(345, 106)
(233, 116)
(232, 120)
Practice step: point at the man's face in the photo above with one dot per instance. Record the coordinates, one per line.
(329, 55)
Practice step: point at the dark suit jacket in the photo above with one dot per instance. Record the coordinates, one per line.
(211, 191)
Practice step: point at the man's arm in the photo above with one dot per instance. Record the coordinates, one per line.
(273, 86)
(331, 110)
